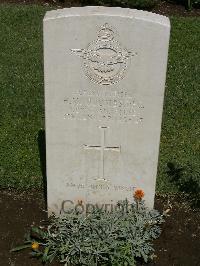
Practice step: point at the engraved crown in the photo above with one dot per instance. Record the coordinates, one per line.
(106, 33)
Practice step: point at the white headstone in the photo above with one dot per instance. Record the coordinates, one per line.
(105, 74)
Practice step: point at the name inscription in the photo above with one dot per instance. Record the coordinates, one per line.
(102, 106)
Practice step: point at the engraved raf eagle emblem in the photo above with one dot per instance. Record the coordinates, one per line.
(105, 61)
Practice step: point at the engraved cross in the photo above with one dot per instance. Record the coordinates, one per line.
(102, 148)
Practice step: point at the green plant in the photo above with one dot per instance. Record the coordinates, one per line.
(139, 4)
(191, 3)
(99, 238)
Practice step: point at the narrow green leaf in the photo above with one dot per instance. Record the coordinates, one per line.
(20, 247)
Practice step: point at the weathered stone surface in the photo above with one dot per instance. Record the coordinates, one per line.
(104, 87)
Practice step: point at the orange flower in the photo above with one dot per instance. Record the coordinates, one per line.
(35, 245)
(139, 194)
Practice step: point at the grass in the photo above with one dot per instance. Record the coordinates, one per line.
(22, 101)
(180, 129)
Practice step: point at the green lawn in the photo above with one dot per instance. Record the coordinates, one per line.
(22, 101)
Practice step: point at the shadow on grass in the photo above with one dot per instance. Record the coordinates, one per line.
(42, 151)
(186, 181)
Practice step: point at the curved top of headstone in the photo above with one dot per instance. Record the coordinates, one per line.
(108, 11)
